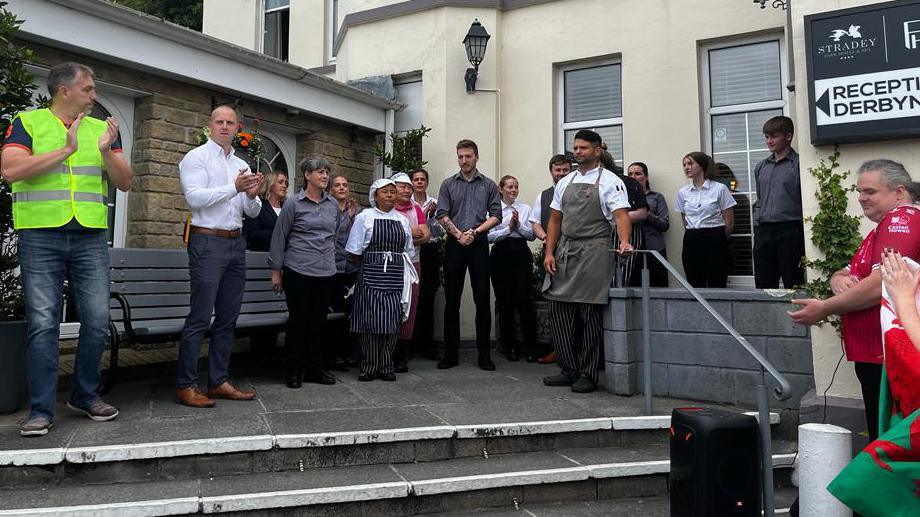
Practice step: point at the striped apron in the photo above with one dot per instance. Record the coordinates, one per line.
(378, 296)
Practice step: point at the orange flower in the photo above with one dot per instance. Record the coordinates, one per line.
(244, 142)
(245, 136)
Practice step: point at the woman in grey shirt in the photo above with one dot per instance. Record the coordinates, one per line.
(303, 265)
(655, 225)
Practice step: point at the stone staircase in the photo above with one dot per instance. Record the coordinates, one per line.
(609, 462)
(516, 448)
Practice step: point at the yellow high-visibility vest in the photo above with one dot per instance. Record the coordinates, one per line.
(75, 188)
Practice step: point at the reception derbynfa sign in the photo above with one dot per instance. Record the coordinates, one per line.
(864, 73)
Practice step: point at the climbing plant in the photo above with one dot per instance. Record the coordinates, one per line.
(834, 232)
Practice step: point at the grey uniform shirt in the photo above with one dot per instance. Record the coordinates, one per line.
(779, 191)
(305, 234)
(469, 203)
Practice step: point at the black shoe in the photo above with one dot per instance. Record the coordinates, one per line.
(485, 363)
(339, 365)
(583, 385)
(446, 363)
(387, 376)
(293, 382)
(560, 379)
(531, 358)
(401, 367)
(366, 377)
(320, 378)
(513, 356)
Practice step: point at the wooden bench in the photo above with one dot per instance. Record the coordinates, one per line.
(150, 298)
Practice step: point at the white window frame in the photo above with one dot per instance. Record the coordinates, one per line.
(709, 111)
(286, 141)
(260, 44)
(331, 29)
(564, 126)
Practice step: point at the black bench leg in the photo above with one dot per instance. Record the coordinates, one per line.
(108, 380)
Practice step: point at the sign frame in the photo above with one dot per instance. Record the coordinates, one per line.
(876, 131)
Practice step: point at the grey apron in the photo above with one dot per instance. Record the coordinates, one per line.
(584, 262)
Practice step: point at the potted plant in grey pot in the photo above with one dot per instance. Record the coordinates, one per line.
(15, 96)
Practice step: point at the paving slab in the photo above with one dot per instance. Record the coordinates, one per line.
(414, 390)
(493, 472)
(278, 397)
(312, 486)
(355, 426)
(488, 413)
(167, 437)
(131, 499)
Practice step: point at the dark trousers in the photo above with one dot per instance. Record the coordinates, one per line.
(338, 341)
(217, 270)
(870, 380)
(574, 324)
(705, 257)
(308, 304)
(429, 281)
(457, 259)
(778, 252)
(511, 267)
(657, 273)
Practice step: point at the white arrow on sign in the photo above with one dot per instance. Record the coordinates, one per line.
(866, 97)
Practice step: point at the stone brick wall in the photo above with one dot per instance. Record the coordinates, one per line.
(166, 126)
(692, 355)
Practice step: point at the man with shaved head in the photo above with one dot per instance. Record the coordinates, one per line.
(219, 188)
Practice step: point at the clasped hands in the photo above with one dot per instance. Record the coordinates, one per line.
(248, 183)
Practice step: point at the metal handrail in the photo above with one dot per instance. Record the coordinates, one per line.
(782, 392)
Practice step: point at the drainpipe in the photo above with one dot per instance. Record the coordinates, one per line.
(790, 60)
(389, 129)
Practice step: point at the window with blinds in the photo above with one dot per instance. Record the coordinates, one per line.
(276, 28)
(591, 98)
(744, 88)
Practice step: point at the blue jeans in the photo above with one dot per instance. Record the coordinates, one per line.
(49, 257)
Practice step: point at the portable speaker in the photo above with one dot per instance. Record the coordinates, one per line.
(715, 464)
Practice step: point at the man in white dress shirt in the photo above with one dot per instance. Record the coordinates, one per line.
(219, 188)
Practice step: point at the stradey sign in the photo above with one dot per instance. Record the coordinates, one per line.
(864, 73)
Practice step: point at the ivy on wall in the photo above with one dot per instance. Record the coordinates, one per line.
(834, 232)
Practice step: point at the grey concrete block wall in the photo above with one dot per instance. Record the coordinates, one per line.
(693, 356)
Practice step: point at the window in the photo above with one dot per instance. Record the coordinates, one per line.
(743, 88)
(409, 92)
(332, 28)
(591, 98)
(276, 27)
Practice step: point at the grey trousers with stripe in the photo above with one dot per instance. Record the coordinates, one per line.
(377, 352)
(578, 332)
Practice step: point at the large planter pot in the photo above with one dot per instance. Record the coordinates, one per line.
(13, 374)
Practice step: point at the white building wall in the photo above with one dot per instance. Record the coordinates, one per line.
(235, 21)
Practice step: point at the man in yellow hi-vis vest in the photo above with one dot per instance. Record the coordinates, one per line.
(59, 162)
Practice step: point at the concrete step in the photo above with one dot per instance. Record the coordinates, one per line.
(125, 451)
(490, 481)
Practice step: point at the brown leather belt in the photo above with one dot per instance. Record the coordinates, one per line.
(227, 234)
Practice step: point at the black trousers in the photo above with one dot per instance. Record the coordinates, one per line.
(870, 380)
(338, 341)
(429, 282)
(657, 273)
(308, 304)
(778, 252)
(511, 266)
(457, 260)
(705, 257)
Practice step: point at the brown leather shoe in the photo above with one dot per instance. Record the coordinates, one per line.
(548, 358)
(229, 392)
(192, 397)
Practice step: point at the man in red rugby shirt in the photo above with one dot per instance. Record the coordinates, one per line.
(884, 198)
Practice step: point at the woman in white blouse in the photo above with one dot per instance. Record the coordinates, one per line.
(511, 269)
(705, 206)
